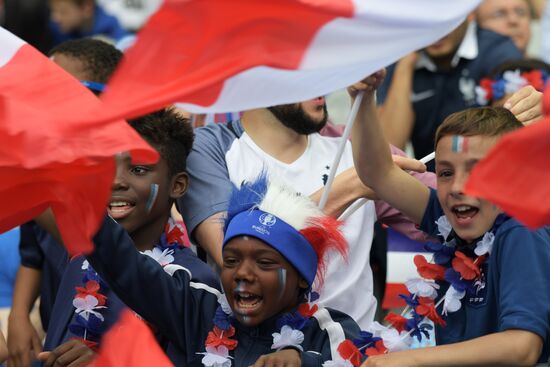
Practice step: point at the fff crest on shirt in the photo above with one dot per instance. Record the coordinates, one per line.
(477, 296)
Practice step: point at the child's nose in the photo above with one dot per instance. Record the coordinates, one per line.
(244, 271)
(458, 183)
(119, 183)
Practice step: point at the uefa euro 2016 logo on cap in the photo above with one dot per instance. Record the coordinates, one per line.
(267, 219)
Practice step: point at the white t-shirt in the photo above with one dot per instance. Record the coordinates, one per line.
(224, 153)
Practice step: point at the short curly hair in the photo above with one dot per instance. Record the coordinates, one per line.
(170, 134)
(99, 58)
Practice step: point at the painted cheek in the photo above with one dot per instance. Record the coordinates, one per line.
(153, 193)
(281, 273)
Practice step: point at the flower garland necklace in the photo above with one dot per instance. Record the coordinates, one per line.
(510, 82)
(450, 265)
(90, 300)
(219, 341)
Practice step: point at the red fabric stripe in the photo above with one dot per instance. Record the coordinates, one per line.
(46, 159)
(188, 48)
(130, 343)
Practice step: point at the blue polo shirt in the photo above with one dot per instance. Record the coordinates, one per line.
(438, 93)
(514, 289)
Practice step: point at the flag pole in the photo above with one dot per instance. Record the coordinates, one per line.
(341, 146)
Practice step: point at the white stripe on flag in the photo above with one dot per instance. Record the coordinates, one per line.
(401, 266)
(9, 44)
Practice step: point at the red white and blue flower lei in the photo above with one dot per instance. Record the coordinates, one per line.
(448, 265)
(219, 341)
(510, 82)
(90, 301)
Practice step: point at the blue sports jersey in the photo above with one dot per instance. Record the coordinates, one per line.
(513, 292)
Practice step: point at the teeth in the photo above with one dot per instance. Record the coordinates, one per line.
(463, 208)
(119, 203)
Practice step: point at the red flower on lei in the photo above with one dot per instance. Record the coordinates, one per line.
(427, 270)
(427, 309)
(487, 85)
(175, 235)
(91, 288)
(397, 321)
(350, 352)
(218, 337)
(379, 348)
(306, 310)
(465, 266)
(534, 78)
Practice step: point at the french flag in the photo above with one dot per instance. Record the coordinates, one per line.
(221, 56)
(47, 157)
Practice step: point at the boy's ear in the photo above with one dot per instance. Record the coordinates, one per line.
(179, 185)
(303, 284)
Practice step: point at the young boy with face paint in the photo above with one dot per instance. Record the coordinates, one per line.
(273, 249)
(503, 319)
(142, 197)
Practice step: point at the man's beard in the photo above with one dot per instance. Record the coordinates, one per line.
(295, 118)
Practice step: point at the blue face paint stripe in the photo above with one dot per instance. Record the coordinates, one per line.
(457, 143)
(282, 281)
(153, 192)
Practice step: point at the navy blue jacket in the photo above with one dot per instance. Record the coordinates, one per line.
(64, 312)
(183, 310)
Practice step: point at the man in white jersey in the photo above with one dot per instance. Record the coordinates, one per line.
(284, 140)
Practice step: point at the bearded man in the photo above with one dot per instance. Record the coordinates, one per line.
(284, 141)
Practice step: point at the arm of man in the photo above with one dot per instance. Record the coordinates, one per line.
(392, 217)
(396, 112)
(506, 348)
(209, 235)
(373, 160)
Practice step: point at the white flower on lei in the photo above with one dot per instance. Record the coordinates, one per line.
(485, 245)
(395, 341)
(86, 306)
(481, 96)
(422, 287)
(216, 357)
(453, 300)
(443, 226)
(514, 81)
(85, 265)
(162, 257)
(222, 300)
(287, 337)
(338, 363)
(377, 329)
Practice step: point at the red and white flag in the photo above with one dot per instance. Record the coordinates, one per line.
(48, 159)
(515, 175)
(220, 56)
